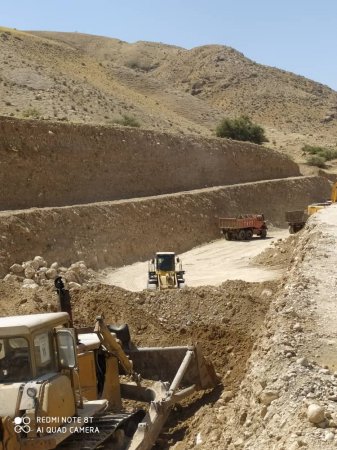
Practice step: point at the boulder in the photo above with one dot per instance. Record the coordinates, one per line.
(315, 413)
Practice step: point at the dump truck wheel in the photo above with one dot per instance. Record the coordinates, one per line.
(249, 234)
(298, 227)
(263, 234)
(228, 236)
(291, 229)
(241, 235)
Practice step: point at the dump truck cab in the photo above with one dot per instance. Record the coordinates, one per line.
(165, 272)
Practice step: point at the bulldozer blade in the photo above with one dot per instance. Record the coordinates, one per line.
(163, 363)
(180, 371)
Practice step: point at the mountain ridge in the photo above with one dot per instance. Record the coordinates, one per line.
(84, 78)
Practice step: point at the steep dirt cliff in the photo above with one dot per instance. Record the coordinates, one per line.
(45, 164)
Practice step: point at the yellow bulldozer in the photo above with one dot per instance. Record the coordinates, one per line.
(69, 388)
(165, 272)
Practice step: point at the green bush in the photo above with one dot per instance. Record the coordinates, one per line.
(137, 64)
(319, 155)
(31, 112)
(330, 154)
(313, 150)
(241, 129)
(127, 121)
(315, 160)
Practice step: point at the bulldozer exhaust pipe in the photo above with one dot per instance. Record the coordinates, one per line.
(64, 298)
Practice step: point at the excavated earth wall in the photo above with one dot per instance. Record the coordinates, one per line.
(53, 164)
(288, 397)
(122, 232)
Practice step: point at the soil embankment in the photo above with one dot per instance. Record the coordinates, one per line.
(293, 363)
(123, 232)
(53, 164)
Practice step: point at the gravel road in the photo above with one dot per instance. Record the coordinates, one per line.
(209, 264)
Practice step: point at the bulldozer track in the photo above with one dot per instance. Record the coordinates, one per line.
(107, 425)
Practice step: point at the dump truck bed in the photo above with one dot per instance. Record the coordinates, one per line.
(233, 223)
(296, 216)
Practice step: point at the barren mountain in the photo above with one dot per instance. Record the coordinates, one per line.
(82, 78)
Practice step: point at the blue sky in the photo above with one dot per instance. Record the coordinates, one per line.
(295, 35)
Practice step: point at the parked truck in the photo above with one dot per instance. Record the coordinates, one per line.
(296, 220)
(243, 227)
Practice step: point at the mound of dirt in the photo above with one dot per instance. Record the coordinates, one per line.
(220, 318)
(291, 373)
(225, 320)
(279, 253)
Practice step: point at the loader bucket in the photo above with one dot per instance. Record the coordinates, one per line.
(163, 363)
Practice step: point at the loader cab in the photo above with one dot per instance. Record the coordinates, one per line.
(165, 272)
(165, 262)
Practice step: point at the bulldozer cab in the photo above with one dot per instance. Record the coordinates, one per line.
(15, 362)
(165, 262)
(36, 361)
(29, 346)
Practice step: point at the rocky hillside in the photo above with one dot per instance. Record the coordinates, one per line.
(82, 78)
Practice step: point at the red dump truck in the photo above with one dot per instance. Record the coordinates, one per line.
(242, 228)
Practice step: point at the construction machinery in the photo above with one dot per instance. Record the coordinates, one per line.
(297, 219)
(314, 207)
(75, 388)
(165, 272)
(243, 228)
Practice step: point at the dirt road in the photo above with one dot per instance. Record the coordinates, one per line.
(209, 264)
